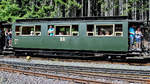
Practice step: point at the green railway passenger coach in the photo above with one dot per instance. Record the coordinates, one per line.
(83, 34)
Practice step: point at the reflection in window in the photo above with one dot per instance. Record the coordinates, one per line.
(90, 30)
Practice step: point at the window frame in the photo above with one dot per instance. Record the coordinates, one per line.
(70, 27)
(21, 28)
(121, 32)
(77, 32)
(27, 26)
(93, 32)
(113, 32)
(113, 28)
(62, 25)
(37, 31)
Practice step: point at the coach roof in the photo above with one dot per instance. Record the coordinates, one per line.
(74, 18)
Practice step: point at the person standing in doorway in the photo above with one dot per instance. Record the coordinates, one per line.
(10, 38)
(138, 38)
(132, 36)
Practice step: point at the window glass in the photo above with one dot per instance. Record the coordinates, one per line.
(28, 30)
(18, 30)
(63, 30)
(104, 30)
(37, 30)
(100, 31)
(118, 30)
(75, 30)
(90, 30)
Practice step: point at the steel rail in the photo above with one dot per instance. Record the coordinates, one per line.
(83, 69)
(51, 76)
(126, 77)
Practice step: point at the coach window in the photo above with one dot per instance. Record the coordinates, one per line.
(31, 30)
(63, 30)
(51, 30)
(75, 30)
(18, 30)
(100, 31)
(37, 30)
(28, 30)
(104, 30)
(118, 30)
(90, 30)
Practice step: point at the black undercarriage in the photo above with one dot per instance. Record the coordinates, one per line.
(77, 53)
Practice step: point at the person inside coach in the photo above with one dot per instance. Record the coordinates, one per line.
(51, 31)
(138, 38)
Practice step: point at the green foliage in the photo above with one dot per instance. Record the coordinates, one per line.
(140, 5)
(8, 11)
(68, 5)
(62, 29)
(15, 9)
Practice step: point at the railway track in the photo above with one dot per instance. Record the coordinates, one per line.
(52, 76)
(81, 69)
(79, 74)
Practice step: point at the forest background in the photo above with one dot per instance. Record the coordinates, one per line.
(10, 10)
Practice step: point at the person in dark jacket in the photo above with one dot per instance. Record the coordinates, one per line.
(2, 40)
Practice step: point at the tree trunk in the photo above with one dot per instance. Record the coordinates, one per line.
(149, 10)
(106, 6)
(135, 10)
(82, 8)
(51, 2)
(89, 8)
(120, 7)
(111, 4)
(126, 8)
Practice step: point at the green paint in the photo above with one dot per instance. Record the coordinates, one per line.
(81, 42)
